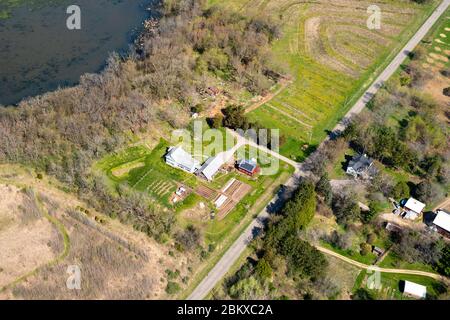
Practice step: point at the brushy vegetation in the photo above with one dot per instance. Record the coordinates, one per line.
(62, 133)
(283, 253)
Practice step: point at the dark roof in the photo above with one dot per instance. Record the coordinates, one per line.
(360, 162)
(247, 165)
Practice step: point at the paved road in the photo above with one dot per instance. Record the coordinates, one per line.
(238, 247)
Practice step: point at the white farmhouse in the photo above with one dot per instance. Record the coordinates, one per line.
(361, 166)
(180, 159)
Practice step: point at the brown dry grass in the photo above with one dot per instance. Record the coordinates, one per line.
(27, 239)
(116, 261)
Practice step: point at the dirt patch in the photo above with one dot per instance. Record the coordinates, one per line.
(125, 169)
(435, 87)
(438, 57)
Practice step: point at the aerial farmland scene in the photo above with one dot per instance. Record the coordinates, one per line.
(242, 151)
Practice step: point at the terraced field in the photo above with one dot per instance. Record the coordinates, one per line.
(438, 46)
(332, 55)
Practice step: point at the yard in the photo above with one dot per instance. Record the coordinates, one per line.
(332, 56)
(144, 170)
(391, 285)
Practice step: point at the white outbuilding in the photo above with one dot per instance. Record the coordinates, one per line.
(442, 222)
(415, 290)
(178, 158)
(413, 209)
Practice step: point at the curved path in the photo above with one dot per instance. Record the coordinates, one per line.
(238, 247)
(375, 268)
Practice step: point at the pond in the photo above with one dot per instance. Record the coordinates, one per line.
(38, 53)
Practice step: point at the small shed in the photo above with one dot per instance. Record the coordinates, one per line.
(413, 208)
(249, 167)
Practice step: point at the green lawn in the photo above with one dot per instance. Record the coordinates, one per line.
(393, 262)
(391, 285)
(153, 177)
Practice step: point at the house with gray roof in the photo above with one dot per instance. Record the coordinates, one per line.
(361, 166)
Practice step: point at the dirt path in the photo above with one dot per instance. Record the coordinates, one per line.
(283, 84)
(375, 268)
(444, 205)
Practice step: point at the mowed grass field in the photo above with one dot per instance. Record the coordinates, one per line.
(332, 55)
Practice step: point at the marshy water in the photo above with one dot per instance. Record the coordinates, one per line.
(38, 53)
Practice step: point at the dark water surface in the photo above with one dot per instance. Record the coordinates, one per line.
(39, 54)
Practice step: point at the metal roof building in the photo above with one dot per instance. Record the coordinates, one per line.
(211, 166)
(178, 158)
(415, 290)
(415, 205)
(442, 220)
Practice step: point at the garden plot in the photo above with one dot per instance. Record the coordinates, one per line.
(234, 192)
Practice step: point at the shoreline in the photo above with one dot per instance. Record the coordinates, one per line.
(149, 10)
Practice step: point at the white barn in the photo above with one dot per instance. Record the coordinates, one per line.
(415, 290)
(180, 159)
(442, 222)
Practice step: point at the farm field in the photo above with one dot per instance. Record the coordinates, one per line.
(332, 55)
(44, 229)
